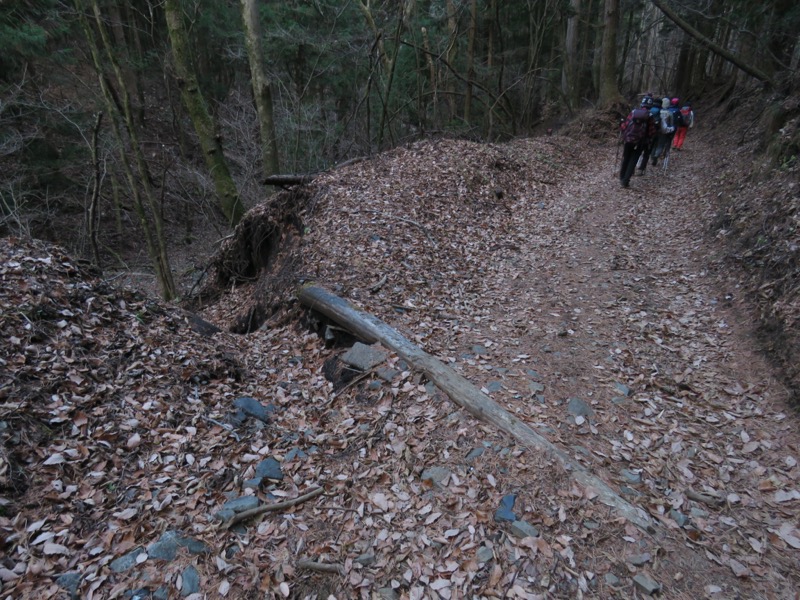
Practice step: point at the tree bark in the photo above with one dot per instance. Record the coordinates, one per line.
(262, 87)
(715, 48)
(204, 125)
(473, 26)
(569, 74)
(462, 392)
(609, 92)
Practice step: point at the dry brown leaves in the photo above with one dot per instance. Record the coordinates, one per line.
(526, 269)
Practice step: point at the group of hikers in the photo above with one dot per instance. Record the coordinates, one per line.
(650, 131)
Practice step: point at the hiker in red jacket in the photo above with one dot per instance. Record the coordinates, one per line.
(637, 131)
(687, 115)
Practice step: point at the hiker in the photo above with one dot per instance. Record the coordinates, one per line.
(665, 132)
(687, 116)
(655, 114)
(637, 131)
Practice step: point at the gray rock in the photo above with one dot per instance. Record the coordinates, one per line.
(70, 582)
(623, 389)
(698, 513)
(253, 484)
(387, 373)
(646, 585)
(295, 453)
(535, 387)
(591, 524)
(363, 357)
(225, 514)
(628, 491)
(365, 559)
(618, 400)
(504, 512)
(140, 594)
(161, 593)
(523, 529)
(269, 468)
(612, 579)
(480, 350)
(579, 408)
(241, 504)
(253, 408)
(637, 560)
(191, 581)
(166, 548)
(436, 475)
(631, 476)
(374, 385)
(681, 519)
(475, 453)
(125, 562)
(387, 593)
(494, 386)
(484, 554)
(533, 374)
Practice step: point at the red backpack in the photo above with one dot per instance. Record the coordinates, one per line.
(636, 126)
(686, 113)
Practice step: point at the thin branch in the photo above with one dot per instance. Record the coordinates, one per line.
(265, 508)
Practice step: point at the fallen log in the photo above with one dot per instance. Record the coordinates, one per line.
(370, 329)
(285, 180)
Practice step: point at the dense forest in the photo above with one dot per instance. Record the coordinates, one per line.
(121, 118)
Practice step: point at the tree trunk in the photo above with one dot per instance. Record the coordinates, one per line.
(609, 92)
(462, 392)
(716, 49)
(262, 88)
(204, 125)
(473, 26)
(569, 76)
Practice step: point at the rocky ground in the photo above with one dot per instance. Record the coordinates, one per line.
(135, 434)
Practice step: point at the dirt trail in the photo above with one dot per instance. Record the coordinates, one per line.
(618, 301)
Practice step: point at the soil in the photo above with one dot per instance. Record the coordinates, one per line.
(607, 319)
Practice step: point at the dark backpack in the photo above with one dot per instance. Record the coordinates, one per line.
(677, 117)
(636, 127)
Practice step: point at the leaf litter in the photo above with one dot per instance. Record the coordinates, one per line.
(524, 268)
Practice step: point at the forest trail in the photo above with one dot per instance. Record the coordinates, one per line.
(598, 315)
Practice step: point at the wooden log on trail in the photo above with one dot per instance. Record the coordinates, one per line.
(287, 180)
(370, 329)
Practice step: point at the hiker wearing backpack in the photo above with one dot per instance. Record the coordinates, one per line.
(655, 115)
(687, 118)
(637, 132)
(665, 132)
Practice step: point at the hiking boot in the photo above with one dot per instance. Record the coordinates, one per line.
(641, 171)
(625, 183)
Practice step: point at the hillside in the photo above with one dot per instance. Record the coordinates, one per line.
(608, 320)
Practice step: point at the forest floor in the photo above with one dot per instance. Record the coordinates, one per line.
(604, 318)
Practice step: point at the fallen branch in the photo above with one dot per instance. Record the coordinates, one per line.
(370, 329)
(284, 180)
(705, 499)
(265, 508)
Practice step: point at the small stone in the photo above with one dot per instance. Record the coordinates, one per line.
(437, 475)
(480, 350)
(374, 385)
(681, 519)
(623, 389)
(140, 594)
(579, 408)
(241, 504)
(618, 400)
(253, 408)
(698, 513)
(504, 513)
(494, 386)
(191, 581)
(295, 453)
(125, 562)
(637, 560)
(224, 515)
(612, 579)
(484, 554)
(523, 529)
(161, 593)
(70, 582)
(364, 357)
(535, 387)
(628, 491)
(475, 453)
(387, 373)
(631, 476)
(253, 484)
(166, 548)
(591, 524)
(646, 584)
(269, 468)
(387, 593)
(365, 559)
